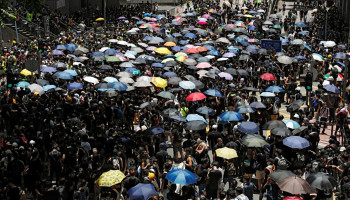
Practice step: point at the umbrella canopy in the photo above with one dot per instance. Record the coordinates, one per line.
(279, 175)
(285, 60)
(206, 111)
(245, 109)
(110, 178)
(291, 123)
(91, 79)
(142, 191)
(226, 153)
(321, 181)
(274, 89)
(163, 51)
(159, 82)
(75, 86)
(167, 95)
(23, 84)
(268, 77)
(195, 117)
(267, 94)
(213, 92)
(231, 116)
(331, 88)
(195, 125)
(196, 96)
(295, 185)
(295, 105)
(296, 142)
(188, 85)
(257, 105)
(274, 124)
(254, 142)
(283, 132)
(181, 176)
(248, 127)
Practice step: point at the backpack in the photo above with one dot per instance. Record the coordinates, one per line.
(194, 163)
(282, 163)
(314, 102)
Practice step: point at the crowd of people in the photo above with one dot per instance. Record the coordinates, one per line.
(149, 95)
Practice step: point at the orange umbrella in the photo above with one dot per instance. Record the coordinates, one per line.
(169, 44)
(192, 50)
(202, 49)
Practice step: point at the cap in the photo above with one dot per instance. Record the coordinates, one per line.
(342, 149)
(151, 175)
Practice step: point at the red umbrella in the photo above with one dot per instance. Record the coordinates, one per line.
(268, 77)
(201, 49)
(202, 22)
(192, 50)
(292, 198)
(196, 96)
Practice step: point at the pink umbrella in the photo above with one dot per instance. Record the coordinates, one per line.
(203, 65)
(192, 50)
(190, 46)
(206, 16)
(202, 22)
(151, 48)
(225, 75)
(154, 19)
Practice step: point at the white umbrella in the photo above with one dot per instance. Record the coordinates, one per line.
(91, 79)
(130, 88)
(113, 41)
(103, 49)
(143, 44)
(124, 74)
(126, 80)
(142, 84)
(144, 79)
(285, 60)
(202, 73)
(129, 55)
(83, 49)
(329, 44)
(127, 64)
(122, 43)
(36, 88)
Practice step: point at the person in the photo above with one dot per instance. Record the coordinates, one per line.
(240, 195)
(323, 116)
(213, 179)
(248, 188)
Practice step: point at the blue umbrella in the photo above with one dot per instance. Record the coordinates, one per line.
(130, 69)
(147, 15)
(71, 47)
(176, 34)
(274, 89)
(340, 55)
(57, 53)
(140, 22)
(111, 52)
(118, 86)
(300, 57)
(61, 47)
(176, 48)
(248, 127)
(213, 92)
(340, 63)
(195, 117)
(214, 53)
(245, 109)
(241, 39)
(291, 124)
(181, 176)
(296, 142)
(228, 55)
(64, 75)
(160, 16)
(48, 87)
(206, 110)
(187, 85)
(230, 116)
(307, 46)
(110, 79)
(301, 25)
(155, 130)
(169, 74)
(209, 47)
(244, 43)
(23, 84)
(331, 88)
(190, 35)
(71, 72)
(75, 86)
(142, 191)
(178, 118)
(131, 52)
(251, 27)
(183, 42)
(48, 69)
(159, 65)
(284, 40)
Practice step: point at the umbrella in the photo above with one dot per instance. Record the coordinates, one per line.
(299, 130)
(190, 61)
(331, 88)
(23, 84)
(167, 95)
(49, 87)
(48, 69)
(42, 82)
(225, 75)
(329, 44)
(75, 86)
(274, 89)
(292, 198)
(274, 124)
(91, 79)
(163, 51)
(231, 71)
(317, 57)
(251, 89)
(295, 105)
(301, 24)
(291, 123)
(268, 77)
(230, 116)
(169, 74)
(110, 178)
(248, 127)
(242, 72)
(142, 191)
(64, 75)
(245, 109)
(36, 88)
(296, 142)
(321, 181)
(195, 125)
(196, 96)
(170, 112)
(105, 67)
(190, 35)
(26, 72)
(188, 85)
(174, 81)
(257, 105)
(154, 130)
(283, 132)
(118, 86)
(178, 118)
(127, 80)
(213, 92)
(226, 153)
(279, 175)
(159, 82)
(147, 104)
(267, 94)
(59, 65)
(254, 142)
(295, 185)
(285, 60)
(206, 111)
(195, 117)
(181, 176)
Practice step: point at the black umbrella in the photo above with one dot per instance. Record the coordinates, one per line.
(170, 63)
(257, 105)
(105, 67)
(231, 71)
(251, 89)
(206, 110)
(190, 78)
(42, 82)
(274, 124)
(295, 105)
(299, 130)
(280, 175)
(321, 181)
(147, 104)
(242, 72)
(195, 125)
(199, 85)
(283, 132)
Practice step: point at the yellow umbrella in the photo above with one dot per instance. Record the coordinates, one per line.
(180, 54)
(100, 19)
(163, 51)
(248, 16)
(110, 178)
(226, 153)
(169, 44)
(168, 59)
(181, 58)
(26, 72)
(159, 82)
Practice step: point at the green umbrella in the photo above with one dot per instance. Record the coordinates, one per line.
(167, 95)
(254, 142)
(113, 59)
(277, 26)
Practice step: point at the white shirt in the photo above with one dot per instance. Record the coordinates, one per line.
(241, 197)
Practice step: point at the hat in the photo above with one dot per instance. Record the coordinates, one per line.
(342, 149)
(151, 175)
(296, 116)
(215, 126)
